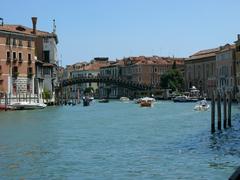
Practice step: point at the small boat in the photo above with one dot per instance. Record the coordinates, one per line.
(185, 99)
(103, 101)
(124, 99)
(27, 105)
(137, 101)
(147, 102)
(86, 101)
(91, 98)
(202, 106)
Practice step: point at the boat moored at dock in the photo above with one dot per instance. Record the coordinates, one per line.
(27, 105)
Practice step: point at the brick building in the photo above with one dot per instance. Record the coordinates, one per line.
(28, 60)
(148, 70)
(17, 59)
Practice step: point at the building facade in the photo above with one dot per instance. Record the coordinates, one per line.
(84, 69)
(237, 44)
(148, 71)
(28, 60)
(47, 61)
(17, 60)
(226, 69)
(114, 70)
(200, 71)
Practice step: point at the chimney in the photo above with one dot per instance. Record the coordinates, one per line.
(1, 19)
(34, 23)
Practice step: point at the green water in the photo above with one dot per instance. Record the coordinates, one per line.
(116, 141)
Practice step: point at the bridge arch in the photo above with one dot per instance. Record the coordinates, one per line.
(103, 79)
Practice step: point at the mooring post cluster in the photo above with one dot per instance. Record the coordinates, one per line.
(227, 105)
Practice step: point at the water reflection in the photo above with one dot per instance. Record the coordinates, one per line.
(227, 141)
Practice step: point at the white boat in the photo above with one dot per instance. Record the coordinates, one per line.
(147, 102)
(124, 99)
(185, 99)
(137, 101)
(27, 105)
(202, 106)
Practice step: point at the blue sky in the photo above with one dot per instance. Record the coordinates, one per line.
(121, 28)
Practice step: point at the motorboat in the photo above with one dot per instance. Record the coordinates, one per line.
(147, 102)
(181, 99)
(202, 106)
(86, 101)
(27, 105)
(103, 101)
(184, 98)
(137, 101)
(124, 99)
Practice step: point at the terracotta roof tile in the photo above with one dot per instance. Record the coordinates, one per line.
(23, 30)
(153, 60)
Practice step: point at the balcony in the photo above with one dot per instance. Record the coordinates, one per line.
(14, 60)
(29, 61)
(8, 59)
(20, 60)
(15, 74)
(30, 74)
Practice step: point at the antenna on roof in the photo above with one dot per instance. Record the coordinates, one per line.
(54, 26)
(1, 19)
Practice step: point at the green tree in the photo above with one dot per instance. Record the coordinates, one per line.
(46, 95)
(172, 79)
(89, 90)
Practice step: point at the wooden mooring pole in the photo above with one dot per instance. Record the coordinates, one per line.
(224, 111)
(6, 101)
(229, 109)
(213, 114)
(219, 111)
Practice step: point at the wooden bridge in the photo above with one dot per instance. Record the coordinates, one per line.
(108, 80)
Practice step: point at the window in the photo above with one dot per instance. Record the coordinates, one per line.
(46, 71)
(8, 55)
(29, 44)
(8, 41)
(46, 56)
(15, 71)
(28, 88)
(29, 57)
(30, 72)
(14, 56)
(45, 40)
(238, 48)
(20, 43)
(20, 56)
(14, 42)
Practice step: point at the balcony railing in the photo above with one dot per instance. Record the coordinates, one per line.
(14, 60)
(20, 60)
(15, 74)
(8, 59)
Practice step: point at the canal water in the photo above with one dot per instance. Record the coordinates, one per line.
(117, 141)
